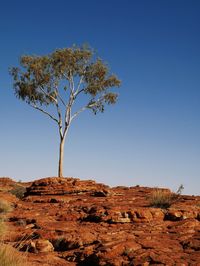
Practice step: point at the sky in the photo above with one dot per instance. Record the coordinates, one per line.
(151, 137)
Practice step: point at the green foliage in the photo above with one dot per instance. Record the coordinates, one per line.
(38, 79)
(18, 191)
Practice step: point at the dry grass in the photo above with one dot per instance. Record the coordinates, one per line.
(161, 199)
(11, 257)
(5, 207)
(2, 228)
(164, 199)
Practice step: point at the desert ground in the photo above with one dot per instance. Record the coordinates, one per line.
(68, 221)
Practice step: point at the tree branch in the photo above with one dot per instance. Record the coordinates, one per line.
(78, 86)
(70, 103)
(68, 112)
(60, 120)
(83, 109)
(65, 130)
(71, 83)
(77, 93)
(61, 99)
(86, 107)
(78, 112)
(58, 94)
(50, 96)
(44, 112)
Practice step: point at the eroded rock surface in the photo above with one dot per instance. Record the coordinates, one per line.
(68, 221)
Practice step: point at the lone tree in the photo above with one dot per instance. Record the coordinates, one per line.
(60, 79)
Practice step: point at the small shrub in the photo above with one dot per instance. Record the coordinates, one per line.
(160, 199)
(11, 257)
(179, 190)
(127, 251)
(18, 191)
(4, 207)
(164, 199)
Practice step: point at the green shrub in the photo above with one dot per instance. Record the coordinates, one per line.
(18, 191)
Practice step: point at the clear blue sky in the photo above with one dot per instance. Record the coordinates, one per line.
(152, 136)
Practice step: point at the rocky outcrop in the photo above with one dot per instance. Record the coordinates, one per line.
(68, 221)
(66, 186)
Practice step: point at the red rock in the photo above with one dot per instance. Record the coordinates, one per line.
(67, 221)
(42, 245)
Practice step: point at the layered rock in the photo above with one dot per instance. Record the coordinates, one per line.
(68, 221)
(66, 186)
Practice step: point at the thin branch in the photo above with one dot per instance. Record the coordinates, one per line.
(86, 107)
(45, 112)
(58, 95)
(68, 112)
(78, 86)
(71, 83)
(50, 96)
(61, 99)
(66, 76)
(83, 109)
(59, 114)
(73, 87)
(78, 92)
(78, 112)
(69, 107)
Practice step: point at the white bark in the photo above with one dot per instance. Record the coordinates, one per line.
(64, 124)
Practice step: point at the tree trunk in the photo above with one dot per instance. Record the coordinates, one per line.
(61, 156)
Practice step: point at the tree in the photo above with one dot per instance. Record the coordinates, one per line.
(60, 79)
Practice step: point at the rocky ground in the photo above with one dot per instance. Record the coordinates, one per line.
(66, 221)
